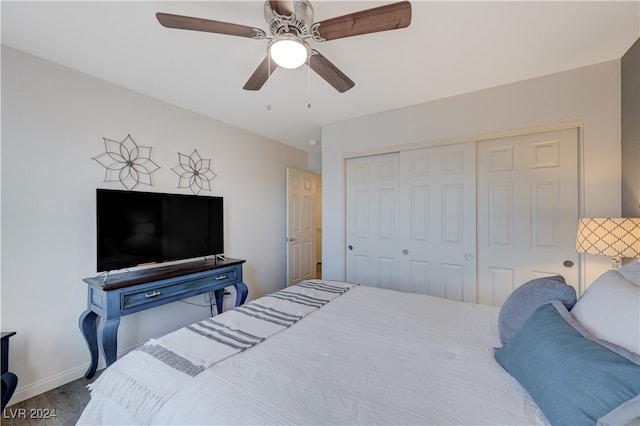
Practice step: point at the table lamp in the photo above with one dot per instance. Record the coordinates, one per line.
(614, 237)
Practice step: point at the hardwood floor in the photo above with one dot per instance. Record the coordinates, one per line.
(59, 406)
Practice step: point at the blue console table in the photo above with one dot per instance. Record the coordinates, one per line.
(134, 291)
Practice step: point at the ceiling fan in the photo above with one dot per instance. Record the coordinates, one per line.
(290, 26)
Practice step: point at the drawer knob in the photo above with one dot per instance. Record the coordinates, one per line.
(221, 277)
(153, 294)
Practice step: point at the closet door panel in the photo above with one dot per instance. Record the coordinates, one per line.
(528, 208)
(419, 276)
(437, 225)
(372, 220)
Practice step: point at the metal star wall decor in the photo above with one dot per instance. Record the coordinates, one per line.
(126, 162)
(195, 172)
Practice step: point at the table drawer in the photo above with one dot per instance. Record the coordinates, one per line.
(216, 280)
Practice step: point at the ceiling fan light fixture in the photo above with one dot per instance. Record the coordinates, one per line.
(289, 51)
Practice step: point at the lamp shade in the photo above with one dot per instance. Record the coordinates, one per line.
(613, 237)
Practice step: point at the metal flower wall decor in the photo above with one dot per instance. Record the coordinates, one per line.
(127, 163)
(195, 172)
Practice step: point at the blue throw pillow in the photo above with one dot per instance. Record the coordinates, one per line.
(574, 379)
(525, 299)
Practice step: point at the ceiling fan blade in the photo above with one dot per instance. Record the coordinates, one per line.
(199, 24)
(260, 75)
(283, 7)
(383, 18)
(329, 72)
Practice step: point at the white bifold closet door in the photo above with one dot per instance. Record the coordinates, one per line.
(469, 222)
(373, 212)
(411, 221)
(528, 209)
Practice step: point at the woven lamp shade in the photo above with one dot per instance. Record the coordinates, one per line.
(613, 237)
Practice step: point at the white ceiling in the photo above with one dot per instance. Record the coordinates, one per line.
(451, 47)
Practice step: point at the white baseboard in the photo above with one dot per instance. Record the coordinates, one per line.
(34, 389)
(41, 386)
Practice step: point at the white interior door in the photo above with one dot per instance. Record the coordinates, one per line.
(301, 226)
(438, 221)
(318, 226)
(527, 211)
(372, 220)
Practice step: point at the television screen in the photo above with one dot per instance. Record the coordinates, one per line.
(136, 228)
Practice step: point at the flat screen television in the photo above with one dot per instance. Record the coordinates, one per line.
(136, 228)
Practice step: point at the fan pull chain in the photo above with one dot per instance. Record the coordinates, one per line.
(269, 82)
(308, 84)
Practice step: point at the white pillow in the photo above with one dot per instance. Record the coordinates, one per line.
(610, 308)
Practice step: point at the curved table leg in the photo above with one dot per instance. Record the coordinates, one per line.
(241, 293)
(9, 383)
(108, 331)
(219, 300)
(88, 322)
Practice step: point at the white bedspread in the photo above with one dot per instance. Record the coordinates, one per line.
(370, 356)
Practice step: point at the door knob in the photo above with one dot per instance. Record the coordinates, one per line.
(350, 247)
(405, 251)
(567, 264)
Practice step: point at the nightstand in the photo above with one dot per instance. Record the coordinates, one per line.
(9, 380)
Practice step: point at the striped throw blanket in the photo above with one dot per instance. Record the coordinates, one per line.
(145, 378)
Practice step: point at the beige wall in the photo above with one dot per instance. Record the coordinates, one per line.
(590, 96)
(53, 122)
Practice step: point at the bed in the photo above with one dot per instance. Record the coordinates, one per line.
(328, 352)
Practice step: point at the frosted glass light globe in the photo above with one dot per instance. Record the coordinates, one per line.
(288, 51)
